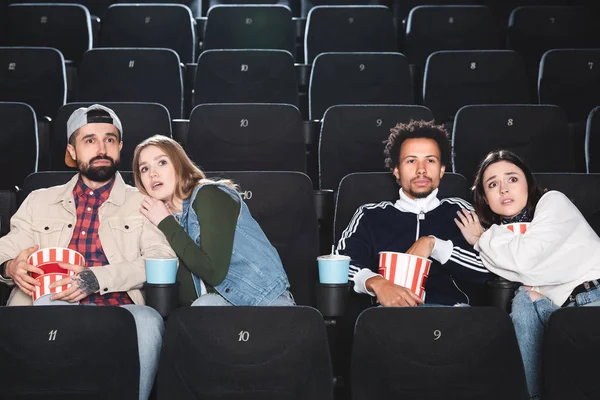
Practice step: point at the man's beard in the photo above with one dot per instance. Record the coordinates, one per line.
(419, 195)
(98, 174)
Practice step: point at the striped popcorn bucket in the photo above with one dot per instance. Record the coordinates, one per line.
(518, 227)
(405, 270)
(48, 259)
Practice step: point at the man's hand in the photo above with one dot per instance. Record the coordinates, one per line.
(422, 247)
(469, 225)
(83, 283)
(390, 295)
(154, 210)
(18, 270)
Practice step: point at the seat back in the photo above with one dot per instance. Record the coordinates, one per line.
(533, 30)
(65, 27)
(358, 78)
(537, 133)
(374, 187)
(3, 22)
(592, 141)
(352, 138)
(18, 144)
(571, 335)
(139, 121)
(246, 76)
(570, 79)
(35, 76)
(349, 29)
(246, 137)
(432, 28)
(582, 189)
(132, 75)
(8, 206)
(168, 26)
(250, 27)
(245, 353)
(282, 203)
(308, 5)
(591, 5)
(454, 79)
(68, 351)
(293, 5)
(463, 353)
(503, 9)
(96, 7)
(402, 8)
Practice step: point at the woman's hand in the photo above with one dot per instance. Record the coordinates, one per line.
(154, 210)
(469, 225)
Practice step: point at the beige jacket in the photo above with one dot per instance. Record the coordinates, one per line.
(47, 218)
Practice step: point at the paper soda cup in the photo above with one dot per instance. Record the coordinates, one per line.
(405, 270)
(161, 270)
(48, 259)
(333, 268)
(517, 227)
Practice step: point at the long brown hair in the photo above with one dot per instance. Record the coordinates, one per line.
(486, 216)
(188, 174)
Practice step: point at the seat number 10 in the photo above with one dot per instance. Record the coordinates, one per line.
(243, 336)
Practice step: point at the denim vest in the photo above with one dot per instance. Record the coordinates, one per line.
(256, 275)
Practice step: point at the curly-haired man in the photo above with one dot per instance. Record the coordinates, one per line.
(417, 223)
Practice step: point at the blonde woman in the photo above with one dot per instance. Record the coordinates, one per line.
(225, 257)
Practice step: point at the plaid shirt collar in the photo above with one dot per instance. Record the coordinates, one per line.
(117, 193)
(102, 193)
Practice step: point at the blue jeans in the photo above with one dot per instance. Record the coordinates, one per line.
(214, 299)
(529, 319)
(149, 326)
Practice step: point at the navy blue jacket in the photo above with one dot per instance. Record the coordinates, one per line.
(383, 227)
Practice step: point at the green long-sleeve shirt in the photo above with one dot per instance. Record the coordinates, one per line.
(217, 214)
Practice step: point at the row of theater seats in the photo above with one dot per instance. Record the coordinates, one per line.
(530, 30)
(272, 137)
(283, 353)
(301, 8)
(199, 8)
(568, 78)
(284, 205)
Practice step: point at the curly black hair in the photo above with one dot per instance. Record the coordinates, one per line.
(414, 130)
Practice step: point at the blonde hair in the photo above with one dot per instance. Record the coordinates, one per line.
(187, 172)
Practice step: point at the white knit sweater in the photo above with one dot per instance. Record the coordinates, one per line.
(558, 252)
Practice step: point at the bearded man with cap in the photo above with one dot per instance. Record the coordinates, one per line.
(98, 215)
